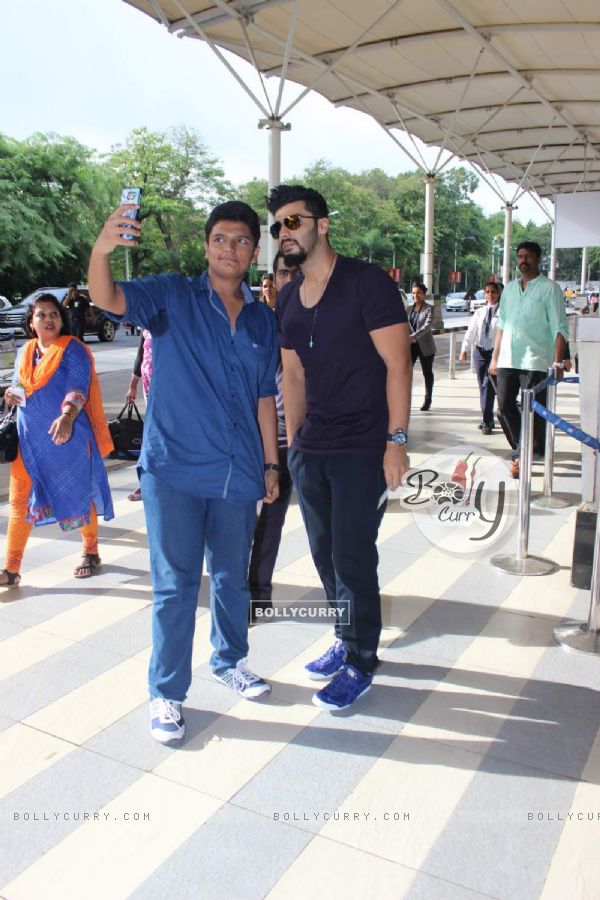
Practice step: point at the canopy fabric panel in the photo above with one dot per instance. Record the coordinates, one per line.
(512, 86)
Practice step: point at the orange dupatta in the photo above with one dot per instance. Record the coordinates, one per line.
(34, 377)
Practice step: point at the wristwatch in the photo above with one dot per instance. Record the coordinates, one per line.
(272, 467)
(398, 437)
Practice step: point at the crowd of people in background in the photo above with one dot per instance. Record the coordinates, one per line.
(307, 389)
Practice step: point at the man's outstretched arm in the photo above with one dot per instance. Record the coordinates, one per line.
(103, 290)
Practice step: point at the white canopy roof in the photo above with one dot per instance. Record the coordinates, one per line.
(512, 86)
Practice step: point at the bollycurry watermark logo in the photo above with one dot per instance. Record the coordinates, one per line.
(303, 610)
(463, 499)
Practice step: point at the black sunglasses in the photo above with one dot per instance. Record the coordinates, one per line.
(292, 223)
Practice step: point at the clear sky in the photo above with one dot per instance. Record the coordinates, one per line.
(95, 69)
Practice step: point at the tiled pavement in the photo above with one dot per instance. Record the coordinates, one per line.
(472, 768)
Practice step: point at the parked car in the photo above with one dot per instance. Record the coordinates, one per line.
(5, 303)
(97, 322)
(457, 302)
(477, 301)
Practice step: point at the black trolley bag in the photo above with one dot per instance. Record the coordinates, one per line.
(127, 431)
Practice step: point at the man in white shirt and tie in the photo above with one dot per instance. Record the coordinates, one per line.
(481, 335)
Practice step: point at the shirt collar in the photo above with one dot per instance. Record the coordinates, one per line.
(246, 292)
(531, 281)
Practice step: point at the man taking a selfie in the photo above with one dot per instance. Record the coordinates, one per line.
(210, 445)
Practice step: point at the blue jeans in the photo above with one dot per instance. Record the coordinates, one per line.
(181, 529)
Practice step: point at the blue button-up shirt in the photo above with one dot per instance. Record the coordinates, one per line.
(201, 433)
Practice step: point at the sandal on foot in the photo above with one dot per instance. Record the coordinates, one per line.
(88, 565)
(10, 579)
(135, 495)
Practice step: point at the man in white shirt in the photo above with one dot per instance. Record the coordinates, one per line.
(481, 335)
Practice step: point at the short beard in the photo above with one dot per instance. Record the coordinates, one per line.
(295, 259)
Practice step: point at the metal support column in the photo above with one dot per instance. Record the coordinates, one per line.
(552, 272)
(506, 263)
(546, 500)
(274, 126)
(584, 268)
(586, 637)
(427, 265)
(452, 357)
(521, 563)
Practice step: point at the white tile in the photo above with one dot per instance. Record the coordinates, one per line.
(111, 857)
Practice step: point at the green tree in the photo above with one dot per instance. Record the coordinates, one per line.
(181, 182)
(253, 193)
(53, 199)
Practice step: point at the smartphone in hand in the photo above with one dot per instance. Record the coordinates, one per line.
(131, 195)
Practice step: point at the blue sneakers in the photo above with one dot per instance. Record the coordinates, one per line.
(166, 720)
(328, 664)
(346, 687)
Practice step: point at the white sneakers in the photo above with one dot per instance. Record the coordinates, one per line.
(166, 720)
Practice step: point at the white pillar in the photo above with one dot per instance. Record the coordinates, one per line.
(427, 259)
(506, 265)
(274, 126)
(584, 267)
(552, 272)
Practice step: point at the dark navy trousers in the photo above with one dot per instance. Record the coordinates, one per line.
(267, 536)
(340, 498)
(486, 390)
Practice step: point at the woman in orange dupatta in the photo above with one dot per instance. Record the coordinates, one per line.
(58, 475)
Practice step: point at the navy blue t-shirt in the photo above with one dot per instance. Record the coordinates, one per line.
(345, 378)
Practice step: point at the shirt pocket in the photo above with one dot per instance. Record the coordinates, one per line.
(253, 355)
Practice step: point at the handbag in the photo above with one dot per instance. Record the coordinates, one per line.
(127, 431)
(9, 437)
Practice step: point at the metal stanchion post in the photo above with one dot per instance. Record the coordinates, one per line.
(546, 499)
(521, 563)
(452, 360)
(582, 637)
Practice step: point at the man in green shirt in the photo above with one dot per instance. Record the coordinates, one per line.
(531, 336)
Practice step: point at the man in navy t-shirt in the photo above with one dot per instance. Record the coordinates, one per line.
(210, 446)
(346, 388)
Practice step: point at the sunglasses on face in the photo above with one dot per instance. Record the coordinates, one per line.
(292, 223)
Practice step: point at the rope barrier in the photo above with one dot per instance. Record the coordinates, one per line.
(565, 426)
(551, 380)
(542, 386)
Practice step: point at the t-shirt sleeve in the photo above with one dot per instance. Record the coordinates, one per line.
(145, 300)
(380, 301)
(268, 384)
(283, 297)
